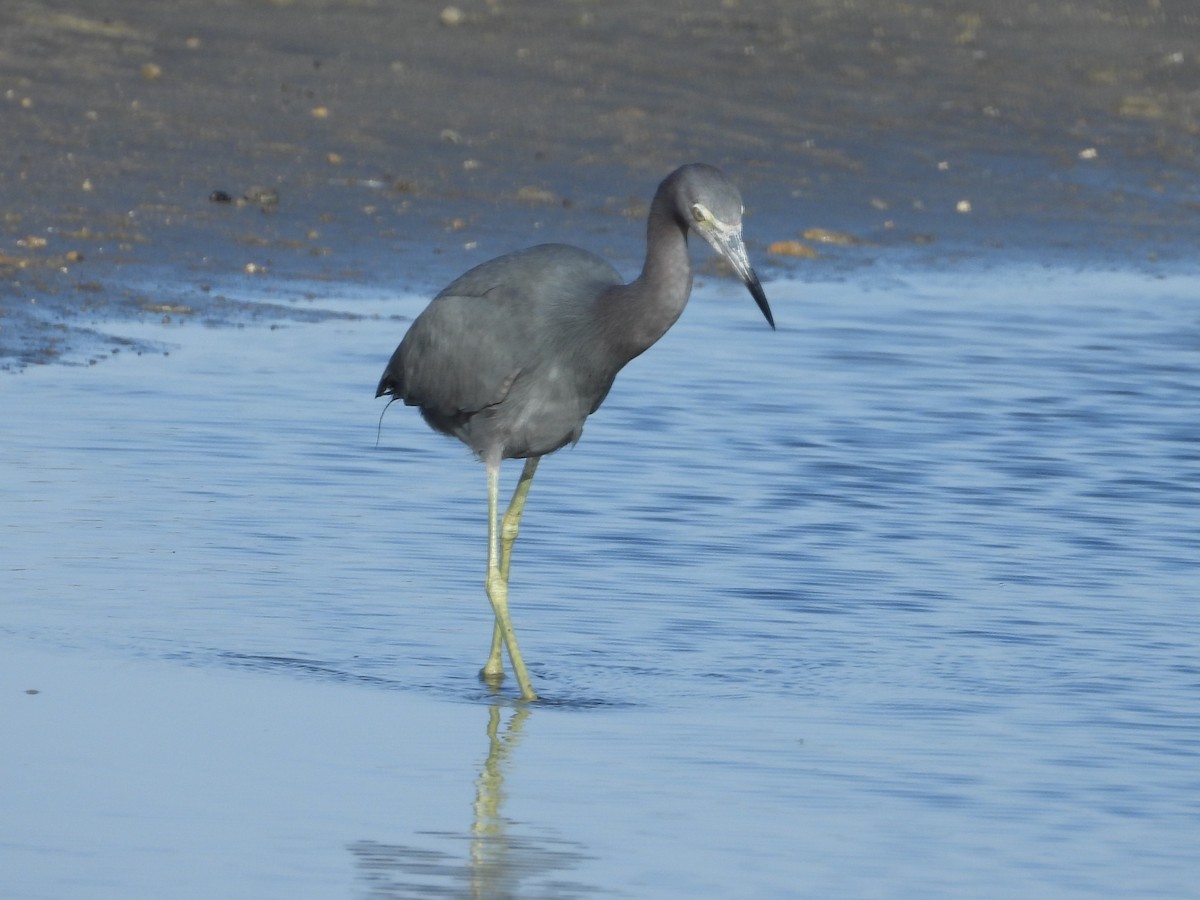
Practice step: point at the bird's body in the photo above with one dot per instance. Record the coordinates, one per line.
(511, 371)
(513, 356)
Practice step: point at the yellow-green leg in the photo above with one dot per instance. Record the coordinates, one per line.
(501, 535)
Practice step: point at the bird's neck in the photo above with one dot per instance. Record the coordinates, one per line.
(644, 309)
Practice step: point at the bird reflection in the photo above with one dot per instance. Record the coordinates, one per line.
(499, 861)
(489, 844)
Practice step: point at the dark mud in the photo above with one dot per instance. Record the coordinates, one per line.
(388, 145)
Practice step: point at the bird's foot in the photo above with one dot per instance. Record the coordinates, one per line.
(492, 674)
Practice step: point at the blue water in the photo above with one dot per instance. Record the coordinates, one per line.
(898, 601)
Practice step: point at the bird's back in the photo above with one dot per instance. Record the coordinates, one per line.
(505, 358)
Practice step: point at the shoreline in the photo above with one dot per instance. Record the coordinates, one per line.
(401, 149)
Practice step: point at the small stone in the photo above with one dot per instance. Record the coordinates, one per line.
(829, 236)
(266, 197)
(791, 248)
(534, 194)
(1140, 108)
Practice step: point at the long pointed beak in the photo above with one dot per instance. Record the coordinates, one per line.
(729, 244)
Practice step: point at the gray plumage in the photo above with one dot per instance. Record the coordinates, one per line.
(505, 359)
(513, 356)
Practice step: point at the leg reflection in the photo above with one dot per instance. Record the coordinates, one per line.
(490, 869)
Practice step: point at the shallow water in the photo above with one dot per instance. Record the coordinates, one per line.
(900, 600)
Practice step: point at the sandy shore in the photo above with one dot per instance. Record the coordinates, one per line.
(393, 144)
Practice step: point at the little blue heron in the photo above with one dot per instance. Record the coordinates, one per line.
(515, 354)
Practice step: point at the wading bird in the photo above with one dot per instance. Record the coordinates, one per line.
(514, 355)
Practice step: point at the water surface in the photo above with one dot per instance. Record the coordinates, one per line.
(897, 601)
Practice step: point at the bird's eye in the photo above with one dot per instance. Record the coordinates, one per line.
(699, 213)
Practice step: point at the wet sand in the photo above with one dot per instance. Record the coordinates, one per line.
(391, 145)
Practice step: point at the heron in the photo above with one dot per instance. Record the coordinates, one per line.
(514, 355)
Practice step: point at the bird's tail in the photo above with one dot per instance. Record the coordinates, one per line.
(392, 381)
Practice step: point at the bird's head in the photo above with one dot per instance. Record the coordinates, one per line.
(712, 207)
